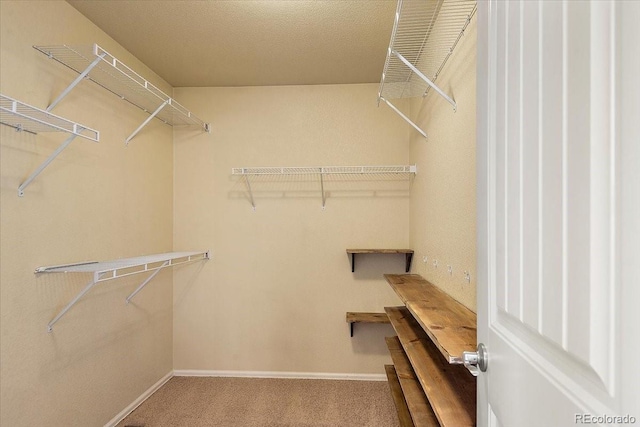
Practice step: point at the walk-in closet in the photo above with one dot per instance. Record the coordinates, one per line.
(381, 213)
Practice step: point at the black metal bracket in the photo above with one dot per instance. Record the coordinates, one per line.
(409, 258)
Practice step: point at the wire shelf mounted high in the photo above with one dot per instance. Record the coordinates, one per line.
(425, 33)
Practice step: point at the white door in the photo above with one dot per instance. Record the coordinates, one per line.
(559, 212)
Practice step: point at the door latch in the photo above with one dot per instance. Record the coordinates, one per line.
(474, 361)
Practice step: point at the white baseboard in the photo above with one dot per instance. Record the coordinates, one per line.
(144, 396)
(279, 374)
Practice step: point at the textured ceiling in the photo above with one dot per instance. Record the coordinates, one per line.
(251, 42)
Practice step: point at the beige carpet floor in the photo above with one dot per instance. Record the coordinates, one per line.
(266, 402)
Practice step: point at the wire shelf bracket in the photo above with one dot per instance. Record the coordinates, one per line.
(24, 117)
(423, 38)
(404, 117)
(321, 172)
(96, 64)
(110, 270)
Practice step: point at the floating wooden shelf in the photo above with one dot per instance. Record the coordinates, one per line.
(408, 255)
(450, 389)
(416, 401)
(450, 325)
(361, 317)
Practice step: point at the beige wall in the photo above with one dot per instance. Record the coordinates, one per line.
(275, 294)
(443, 204)
(95, 202)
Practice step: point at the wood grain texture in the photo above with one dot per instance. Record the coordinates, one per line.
(450, 389)
(450, 325)
(404, 417)
(417, 402)
(363, 317)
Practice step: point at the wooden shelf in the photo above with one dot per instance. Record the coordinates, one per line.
(415, 400)
(450, 325)
(450, 389)
(407, 252)
(362, 317)
(404, 416)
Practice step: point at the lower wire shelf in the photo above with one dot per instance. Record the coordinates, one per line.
(114, 269)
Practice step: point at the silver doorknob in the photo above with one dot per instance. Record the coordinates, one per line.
(474, 361)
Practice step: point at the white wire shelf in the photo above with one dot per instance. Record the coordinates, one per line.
(110, 270)
(324, 170)
(99, 66)
(320, 171)
(24, 117)
(424, 35)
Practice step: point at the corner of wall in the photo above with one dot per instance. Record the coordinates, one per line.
(443, 196)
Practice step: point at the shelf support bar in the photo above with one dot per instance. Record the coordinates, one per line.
(86, 289)
(246, 180)
(75, 82)
(408, 258)
(147, 120)
(147, 280)
(40, 168)
(426, 79)
(322, 188)
(407, 119)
